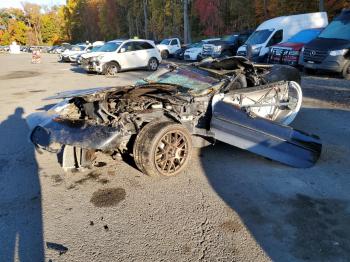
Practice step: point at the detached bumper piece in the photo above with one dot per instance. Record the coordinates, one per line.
(263, 137)
(76, 133)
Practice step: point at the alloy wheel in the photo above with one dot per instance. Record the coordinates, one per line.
(171, 152)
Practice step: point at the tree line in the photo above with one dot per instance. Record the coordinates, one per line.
(81, 20)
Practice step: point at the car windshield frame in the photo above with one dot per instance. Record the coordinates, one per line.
(110, 47)
(259, 36)
(305, 36)
(337, 29)
(191, 80)
(96, 48)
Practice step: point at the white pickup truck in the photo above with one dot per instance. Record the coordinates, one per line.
(169, 46)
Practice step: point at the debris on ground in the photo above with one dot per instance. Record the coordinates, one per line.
(58, 247)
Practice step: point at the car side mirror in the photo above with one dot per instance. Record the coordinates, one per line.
(122, 50)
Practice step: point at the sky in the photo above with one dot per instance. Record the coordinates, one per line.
(17, 3)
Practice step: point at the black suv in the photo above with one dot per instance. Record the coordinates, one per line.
(226, 46)
(330, 51)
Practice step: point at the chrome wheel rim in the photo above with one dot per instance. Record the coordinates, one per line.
(112, 70)
(153, 64)
(171, 153)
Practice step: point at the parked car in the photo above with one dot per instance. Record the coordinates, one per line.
(70, 55)
(225, 46)
(194, 51)
(63, 47)
(160, 119)
(277, 30)
(119, 55)
(4, 48)
(331, 49)
(88, 61)
(168, 47)
(95, 47)
(179, 54)
(52, 49)
(93, 50)
(289, 52)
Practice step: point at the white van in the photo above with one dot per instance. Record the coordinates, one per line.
(280, 29)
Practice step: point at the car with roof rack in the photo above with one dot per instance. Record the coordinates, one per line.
(119, 55)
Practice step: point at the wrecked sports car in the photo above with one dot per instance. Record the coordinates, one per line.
(160, 119)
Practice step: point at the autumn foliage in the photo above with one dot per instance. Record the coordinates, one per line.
(81, 20)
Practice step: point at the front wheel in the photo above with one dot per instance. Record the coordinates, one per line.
(163, 149)
(112, 69)
(153, 64)
(346, 71)
(164, 54)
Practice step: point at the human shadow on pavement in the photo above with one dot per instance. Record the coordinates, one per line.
(21, 227)
(293, 214)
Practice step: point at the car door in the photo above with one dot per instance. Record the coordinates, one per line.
(143, 53)
(241, 128)
(126, 56)
(173, 46)
(276, 38)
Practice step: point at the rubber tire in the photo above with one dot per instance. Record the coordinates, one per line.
(146, 144)
(346, 71)
(149, 64)
(164, 54)
(109, 64)
(137, 143)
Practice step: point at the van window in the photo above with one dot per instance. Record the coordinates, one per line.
(276, 38)
(338, 29)
(259, 37)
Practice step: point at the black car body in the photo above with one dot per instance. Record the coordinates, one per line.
(330, 51)
(160, 119)
(179, 54)
(226, 46)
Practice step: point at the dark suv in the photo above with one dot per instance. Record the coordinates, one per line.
(226, 46)
(330, 51)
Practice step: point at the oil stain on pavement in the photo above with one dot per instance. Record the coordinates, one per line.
(107, 197)
(19, 74)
